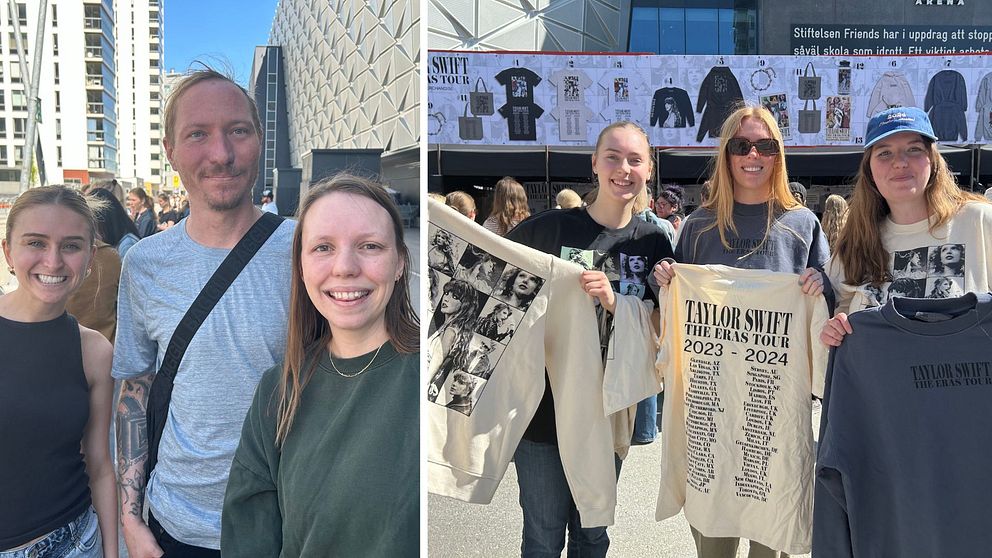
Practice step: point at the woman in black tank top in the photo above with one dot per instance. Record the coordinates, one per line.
(57, 485)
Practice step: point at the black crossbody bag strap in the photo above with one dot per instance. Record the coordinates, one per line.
(160, 393)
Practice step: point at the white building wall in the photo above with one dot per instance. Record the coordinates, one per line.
(140, 147)
(351, 73)
(541, 25)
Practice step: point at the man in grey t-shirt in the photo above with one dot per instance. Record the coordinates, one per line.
(212, 138)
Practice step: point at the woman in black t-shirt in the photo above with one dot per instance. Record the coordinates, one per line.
(603, 235)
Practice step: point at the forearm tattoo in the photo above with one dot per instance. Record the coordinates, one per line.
(132, 443)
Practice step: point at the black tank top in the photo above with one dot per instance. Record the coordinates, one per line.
(44, 406)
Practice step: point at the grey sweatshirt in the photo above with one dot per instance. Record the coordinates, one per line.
(905, 434)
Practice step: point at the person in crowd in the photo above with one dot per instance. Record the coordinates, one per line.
(167, 216)
(323, 468)
(567, 199)
(676, 219)
(643, 210)
(622, 164)
(509, 207)
(211, 124)
(94, 304)
(834, 218)
(496, 325)
(906, 201)
(183, 206)
(114, 225)
(462, 203)
(56, 476)
(750, 220)
(142, 212)
(669, 201)
(798, 191)
(269, 202)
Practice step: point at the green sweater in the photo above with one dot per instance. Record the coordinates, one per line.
(347, 480)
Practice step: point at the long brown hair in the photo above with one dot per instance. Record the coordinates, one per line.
(834, 218)
(721, 198)
(308, 329)
(509, 204)
(860, 249)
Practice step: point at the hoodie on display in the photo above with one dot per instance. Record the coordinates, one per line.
(946, 102)
(717, 96)
(983, 105)
(891, 90)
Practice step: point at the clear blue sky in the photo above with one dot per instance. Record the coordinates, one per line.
(221, 32)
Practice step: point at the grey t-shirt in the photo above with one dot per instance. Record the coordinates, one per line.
(244, 335)
(794, 242)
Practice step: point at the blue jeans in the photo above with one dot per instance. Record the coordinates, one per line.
(646, 421)
(80, 538)
(548, 508)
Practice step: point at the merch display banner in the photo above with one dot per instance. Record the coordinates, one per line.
(495, 98)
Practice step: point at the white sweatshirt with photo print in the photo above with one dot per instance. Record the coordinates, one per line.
(468, 453)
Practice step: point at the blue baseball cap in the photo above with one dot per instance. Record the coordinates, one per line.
(895, 120)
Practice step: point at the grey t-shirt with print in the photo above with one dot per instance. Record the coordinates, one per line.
(794, 242)
(244, 335)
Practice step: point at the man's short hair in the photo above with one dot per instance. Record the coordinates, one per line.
(192, 78)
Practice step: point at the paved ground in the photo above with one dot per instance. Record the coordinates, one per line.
(457, 529)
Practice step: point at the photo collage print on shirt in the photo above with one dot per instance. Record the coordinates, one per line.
(476, 303)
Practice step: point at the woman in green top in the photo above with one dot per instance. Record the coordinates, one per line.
(328, 463)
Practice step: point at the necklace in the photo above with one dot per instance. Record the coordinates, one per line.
(359, 373)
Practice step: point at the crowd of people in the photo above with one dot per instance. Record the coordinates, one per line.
(861, 253)
(249, 416)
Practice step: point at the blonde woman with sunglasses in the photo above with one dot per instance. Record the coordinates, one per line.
(751, 221)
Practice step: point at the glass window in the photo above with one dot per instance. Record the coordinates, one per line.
(643, 30)
(701, 31)
(667, 27)
(672, 31)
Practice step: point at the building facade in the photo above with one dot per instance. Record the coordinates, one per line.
(351, 82)
(692, 27)
(100, 82)
(139, 93)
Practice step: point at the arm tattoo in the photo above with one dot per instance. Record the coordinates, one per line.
(132, 443)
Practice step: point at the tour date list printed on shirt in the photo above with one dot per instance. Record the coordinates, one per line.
(740, 360)
(760, 339)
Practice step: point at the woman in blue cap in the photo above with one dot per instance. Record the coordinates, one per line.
(906, 202)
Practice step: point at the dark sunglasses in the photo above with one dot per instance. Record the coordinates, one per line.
(742, 146)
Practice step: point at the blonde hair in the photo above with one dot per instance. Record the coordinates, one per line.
(834, 218)
(308, 330)
(859, 247)
(721, 198)
(509, 204)
(188, 81)
(567, 199)
(59, 195)
(461, 202)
